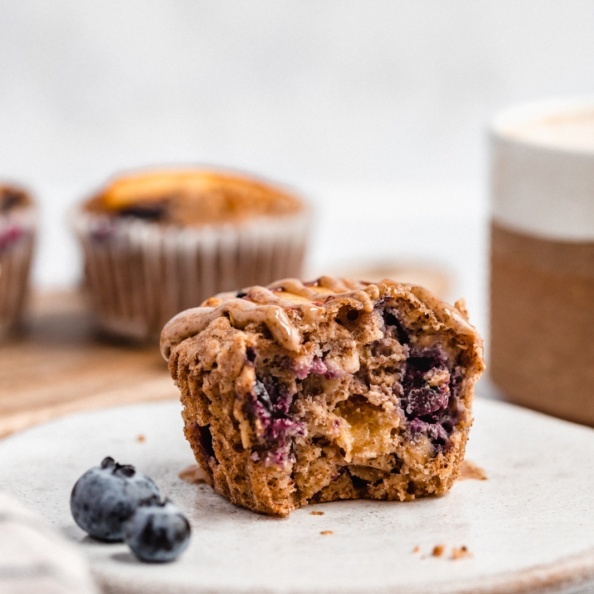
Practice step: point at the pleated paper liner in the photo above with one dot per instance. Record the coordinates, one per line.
(138, 275)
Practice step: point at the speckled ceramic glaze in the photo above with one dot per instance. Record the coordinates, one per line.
(528, 528)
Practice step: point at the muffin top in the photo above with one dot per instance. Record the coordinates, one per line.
(192, 198)
(12, 198)
(290, 307)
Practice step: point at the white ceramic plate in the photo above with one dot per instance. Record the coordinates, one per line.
(529, 527)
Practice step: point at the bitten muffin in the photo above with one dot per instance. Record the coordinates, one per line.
(161, 241)
(334, 389)
(17, 233)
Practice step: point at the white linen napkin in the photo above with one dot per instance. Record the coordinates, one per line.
(34, 559)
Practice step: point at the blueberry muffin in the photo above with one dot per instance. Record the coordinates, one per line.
(158, 242)
(17, 232)
(334, 389)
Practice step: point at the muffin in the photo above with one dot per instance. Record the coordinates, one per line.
(334, 389)
(17, 232)
(158, 242)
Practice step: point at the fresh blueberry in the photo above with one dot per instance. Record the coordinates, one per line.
(158, 532)
(106, 496)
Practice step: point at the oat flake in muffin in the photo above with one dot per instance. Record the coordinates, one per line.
(298, 393)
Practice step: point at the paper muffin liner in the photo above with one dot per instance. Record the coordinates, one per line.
(138, 275)
(17, 238)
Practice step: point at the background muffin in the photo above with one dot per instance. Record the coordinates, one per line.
(17, 224)
(159, 242)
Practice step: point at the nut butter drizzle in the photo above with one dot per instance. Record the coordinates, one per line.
(446, 313)
(271, 306)
(240, 312)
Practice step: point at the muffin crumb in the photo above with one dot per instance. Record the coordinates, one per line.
(460, 552)
(469, 470)
(326, 532)
(316, 513)
(440, 550)
(193, 474)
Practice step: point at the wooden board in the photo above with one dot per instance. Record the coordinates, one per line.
(59, 365)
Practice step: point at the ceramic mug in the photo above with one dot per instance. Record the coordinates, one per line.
(542, 257)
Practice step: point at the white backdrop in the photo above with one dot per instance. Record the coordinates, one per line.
(376, 109)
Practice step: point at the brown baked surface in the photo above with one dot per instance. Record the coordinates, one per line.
(192, 198)
(336, 389)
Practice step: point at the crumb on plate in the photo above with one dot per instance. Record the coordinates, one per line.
(460, 552)
(193, 474)
(469, 470)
